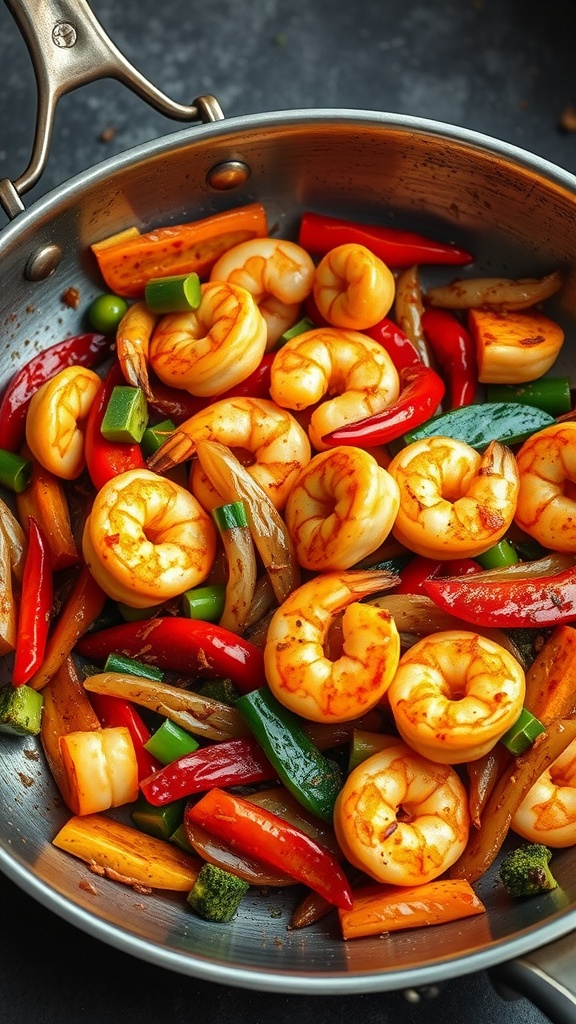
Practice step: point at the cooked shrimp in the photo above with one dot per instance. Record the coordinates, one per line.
(147, 539)
(267, 439)
(547, 496)
(547, 813)
(340, 509)
(454, 503)
(297, 669)
(133, 345)
(455, 694)
(55, 418)
(401, 818)
(353, 288)
(326, 362)
(279, 274)
(208, 350)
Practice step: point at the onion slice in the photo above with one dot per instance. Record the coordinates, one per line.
(503, 292)
(15, 539)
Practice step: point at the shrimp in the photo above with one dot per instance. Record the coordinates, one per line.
(279, 274)
(297, 669)
(208, 350)
(328, 361)
(271, 443)
(353, 288)
(547, 813)
(54, 420)
(455, 694)
(147, 539)
(547, 496)
(133, 345)
(401, 818)
(340, 509)
(454, 503)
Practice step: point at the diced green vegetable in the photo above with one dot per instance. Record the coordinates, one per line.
(20, 710)
(525, 871)
(549, 393)
(314, 780)
(120, 663)
(303, 325)
(231, 516)
(180, 837)
(507, 422)
(15, 472)
(522, 734)
(126, 415)
(222, 690)
(170, 742)
(501, 554)
(206, 603)
(365, 743)
(106, 312)
(161, 822)
(153, 437)
(217, 894)
(176, 294)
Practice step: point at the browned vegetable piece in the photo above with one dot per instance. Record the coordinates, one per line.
(551, 679)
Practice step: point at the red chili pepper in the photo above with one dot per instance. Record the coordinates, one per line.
(541, 601)
(106, 459)
(418, 570)
(114, 711)
(401, 350)
(318, 234)
(35, 606)
(178, 644)
(82, 350)
(454, 349)
(256, 385)
(238, 762)
(313, 313)
(261, 834)
(421, 392)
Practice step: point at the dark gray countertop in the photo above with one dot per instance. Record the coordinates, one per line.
(502, 67)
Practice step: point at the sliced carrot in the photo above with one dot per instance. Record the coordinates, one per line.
(384, 908)
(126, 855)
(44, 499)
(550, 689)
(129, 263)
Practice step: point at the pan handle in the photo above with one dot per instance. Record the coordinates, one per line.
(545, 977)
(70, 48)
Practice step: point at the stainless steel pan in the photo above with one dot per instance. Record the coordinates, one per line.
(518, 214)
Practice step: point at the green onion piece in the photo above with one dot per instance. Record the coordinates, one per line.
(206, 603)
(170, 742)
(299, 328)
(126, 415)
(153, 437)
(20, 710)
(501, 554)
(230, 517)
(522, 734)
(15, 472)
(120, 663)
(176, 294)
(161, 822)
(552, 394)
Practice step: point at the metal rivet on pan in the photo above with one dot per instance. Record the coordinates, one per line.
(43, 262)
(228, 175)
(64, 34)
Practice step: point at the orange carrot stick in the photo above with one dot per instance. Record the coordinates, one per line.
(386, 908)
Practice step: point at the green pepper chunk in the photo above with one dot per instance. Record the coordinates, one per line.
(126, 415)
(314, 780)
(15, 471)
(501, 554)
(206, 603)
(20, 710)
(549, 393)
(161, 822)
(522, 734)
(177, 294)
(153, 437)
(170, 742)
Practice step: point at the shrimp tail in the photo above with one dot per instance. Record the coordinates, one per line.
(362, 582)
(176, 449)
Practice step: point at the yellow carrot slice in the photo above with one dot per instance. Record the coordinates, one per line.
(379, 908)
(126, 855)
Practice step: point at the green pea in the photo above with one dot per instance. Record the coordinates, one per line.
(106, 312)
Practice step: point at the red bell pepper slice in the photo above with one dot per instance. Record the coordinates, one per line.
(35, 606)
(514, 603)
(421, 393)
(319, 233)
(238, 762)
(178, 644)
(106, 459)
(82, 350)
(401, 350)
(418, 570)
(455, 352)
(114, 711)
(261, 834)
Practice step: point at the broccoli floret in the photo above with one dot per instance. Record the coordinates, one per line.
(217, 894)
(525, 871)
